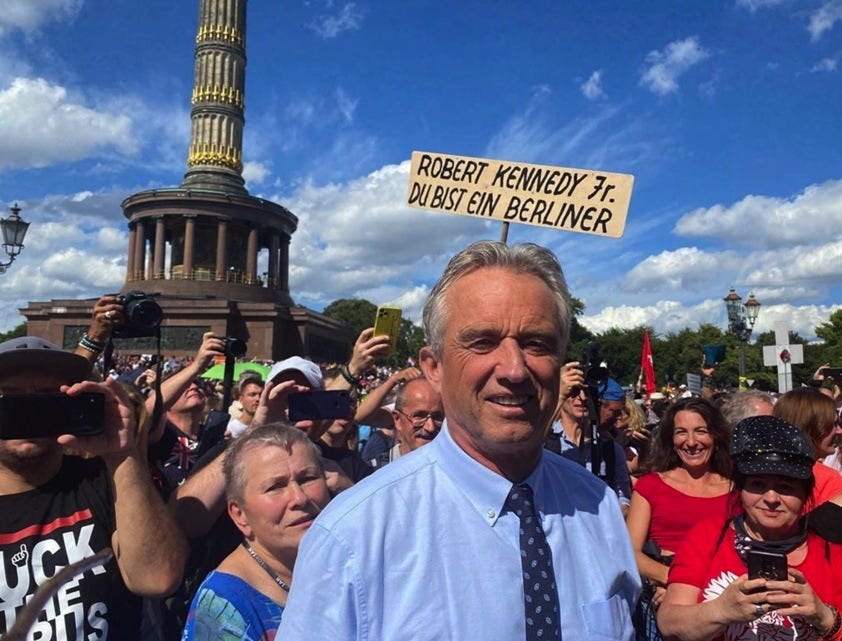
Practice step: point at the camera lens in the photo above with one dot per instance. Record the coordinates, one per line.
(235, 347)
(144, 313)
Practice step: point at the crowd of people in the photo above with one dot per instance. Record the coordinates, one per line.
(497, 494)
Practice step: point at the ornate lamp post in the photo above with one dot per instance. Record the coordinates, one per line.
(14, 231)
(741, 319)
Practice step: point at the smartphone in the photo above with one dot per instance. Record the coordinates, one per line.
(388, 321)
(832, 372)
(714, 354)
(319, 404)
(767, 565)
(49, 415)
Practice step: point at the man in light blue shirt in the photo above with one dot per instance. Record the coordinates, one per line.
(426, 548)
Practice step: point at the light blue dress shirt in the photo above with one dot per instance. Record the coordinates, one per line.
(424, 550)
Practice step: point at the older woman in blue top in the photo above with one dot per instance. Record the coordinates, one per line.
(275, 486)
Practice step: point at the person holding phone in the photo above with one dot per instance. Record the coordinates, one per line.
(712, 595)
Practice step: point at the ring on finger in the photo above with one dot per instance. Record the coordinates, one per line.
(109, 314)
(759, 609)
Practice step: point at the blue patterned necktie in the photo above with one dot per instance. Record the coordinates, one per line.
(540, 596)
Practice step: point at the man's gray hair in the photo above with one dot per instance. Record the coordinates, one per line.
(524, 258)
(743, 404)
(271, 435)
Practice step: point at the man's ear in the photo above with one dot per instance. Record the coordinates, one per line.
(239, 518)
(429, 364)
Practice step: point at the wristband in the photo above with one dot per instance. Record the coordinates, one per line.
(86, 342)
(346, 374)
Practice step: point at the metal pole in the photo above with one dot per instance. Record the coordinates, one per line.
(504, 233)
(741, 384)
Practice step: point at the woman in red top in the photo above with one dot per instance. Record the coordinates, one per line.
(815, 414)
(710, 596)
(688, 480)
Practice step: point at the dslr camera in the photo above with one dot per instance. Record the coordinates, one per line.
(235, 347)
(142, 316)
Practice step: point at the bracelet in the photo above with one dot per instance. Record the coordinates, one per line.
(346, 374)
(95, 352)
(86, 342)
(837, 624)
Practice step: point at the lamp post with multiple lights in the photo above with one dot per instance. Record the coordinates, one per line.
(14, 230)
(741, 319)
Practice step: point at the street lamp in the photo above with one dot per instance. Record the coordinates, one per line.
(14, 231)
(741, 319)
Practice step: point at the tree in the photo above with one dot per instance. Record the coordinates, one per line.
(16, 332)
(356, 312)
(360, 313)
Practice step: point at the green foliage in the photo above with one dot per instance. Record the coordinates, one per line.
(676, 354)
(360, 313)
(16, 332)
(356, 312)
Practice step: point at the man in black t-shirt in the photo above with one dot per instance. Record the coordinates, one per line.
(56, 509)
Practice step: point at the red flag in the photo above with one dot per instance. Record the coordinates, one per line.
(647, 365)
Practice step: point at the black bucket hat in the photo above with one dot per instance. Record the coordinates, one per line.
(769, 445)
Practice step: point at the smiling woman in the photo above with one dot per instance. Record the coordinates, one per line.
(686, 480)
(761, 574)
(275, 485)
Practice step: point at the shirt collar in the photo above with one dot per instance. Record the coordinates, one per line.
(486, 490)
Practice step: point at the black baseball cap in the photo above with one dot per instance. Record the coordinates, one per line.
(32, 354)
(769, 445)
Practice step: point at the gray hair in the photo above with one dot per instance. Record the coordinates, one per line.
(524, 258)
(743, 404)
(271, 434)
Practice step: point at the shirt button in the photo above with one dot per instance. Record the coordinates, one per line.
(491, 514)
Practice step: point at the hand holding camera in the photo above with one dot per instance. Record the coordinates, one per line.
(119, 421)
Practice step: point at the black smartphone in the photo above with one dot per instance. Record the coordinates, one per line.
(319, 404)
(832, 372)
(767, 565)
(50, 415)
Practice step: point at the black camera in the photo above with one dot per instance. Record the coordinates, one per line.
(596, 372)
(235, 347)
(142, 316)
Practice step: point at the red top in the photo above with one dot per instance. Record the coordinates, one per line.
(674, 513)
(828, 485)
(700, 563)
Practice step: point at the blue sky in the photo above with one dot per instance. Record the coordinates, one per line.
(727, 113)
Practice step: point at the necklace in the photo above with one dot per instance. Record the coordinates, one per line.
(284, 585)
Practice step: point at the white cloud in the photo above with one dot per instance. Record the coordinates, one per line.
(40, 125)
(754, 5)
(774, 222)
(664, 67)
(682, 269)
(349, 18)
(347, 105)
(592, 87)
(600, 139)
(255, 172)
(28, 15)
(360, 239)
(671, 316)
(823, 18)
(825, 64)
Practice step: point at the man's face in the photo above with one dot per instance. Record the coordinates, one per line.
(18, 452)
(609, 413)
(341, 427)
(250, 398)
(499, 369)
(419, 419)
(191, 399)
(575, 406)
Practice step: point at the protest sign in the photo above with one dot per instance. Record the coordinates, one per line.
(580, 200)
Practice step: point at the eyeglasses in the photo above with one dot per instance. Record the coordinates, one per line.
(419, 419)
